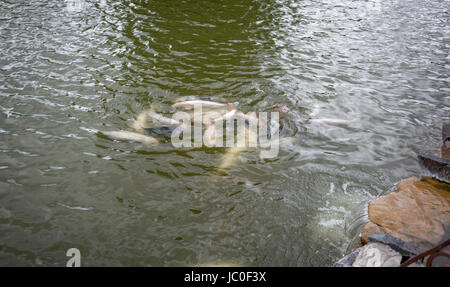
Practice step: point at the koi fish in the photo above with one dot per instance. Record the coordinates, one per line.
(204, 104)
(131, 136)
(162, 119)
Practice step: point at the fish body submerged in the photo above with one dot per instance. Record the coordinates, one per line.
(226, 116)
(162, 130)
(162, 119)
(204, 104)
(230, 157)
(140, 122)
(131, 136)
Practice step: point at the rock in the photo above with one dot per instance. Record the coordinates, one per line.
(436, 166)
(348, 260)
(445, 150)
(445, 131)
(368, 229)
(416, 214)
(377, 255)
(404, 248)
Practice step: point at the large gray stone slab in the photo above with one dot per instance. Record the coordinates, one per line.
(404, 248)
(348, 260)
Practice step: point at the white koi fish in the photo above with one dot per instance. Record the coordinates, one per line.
(209, 136)
(131, 136)
(233, 153)
(139, 124)
(226, 116)
(329, 121)
(230, 157)
(204, 104)
(162, 119)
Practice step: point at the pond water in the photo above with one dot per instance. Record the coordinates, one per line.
(67, 71)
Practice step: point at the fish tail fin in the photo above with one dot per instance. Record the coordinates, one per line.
(139, 124)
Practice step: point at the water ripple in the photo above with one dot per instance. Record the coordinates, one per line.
(65, 75)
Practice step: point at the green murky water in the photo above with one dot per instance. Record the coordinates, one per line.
(64, 74)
